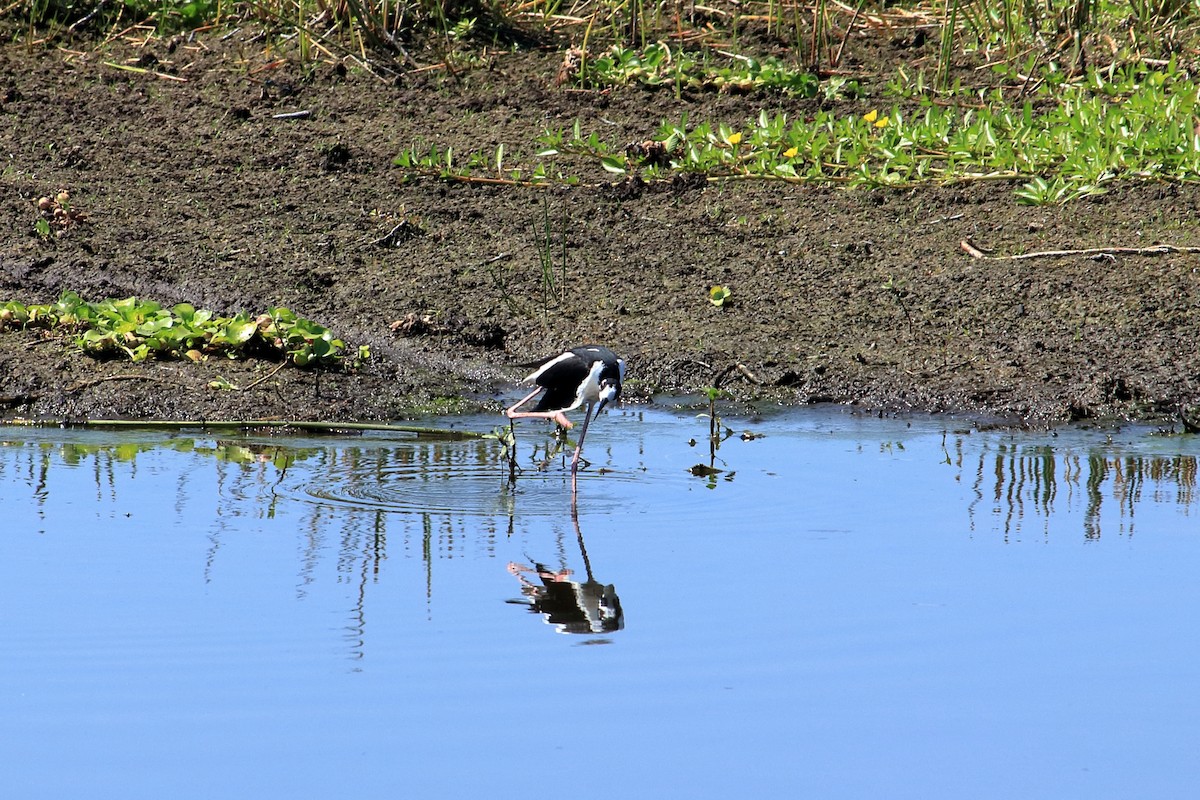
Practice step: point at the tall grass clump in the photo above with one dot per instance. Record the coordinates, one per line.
(811, 35)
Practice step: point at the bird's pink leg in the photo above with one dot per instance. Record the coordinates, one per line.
(579, 449)
(512, 413)
(558, 416)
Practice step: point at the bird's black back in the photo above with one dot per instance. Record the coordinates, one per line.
(562, 376)
(556, 398)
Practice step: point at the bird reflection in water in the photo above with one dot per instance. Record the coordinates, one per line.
(590, 607)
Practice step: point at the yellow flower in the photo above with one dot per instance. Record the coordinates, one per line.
(871, 115)
(882, 122)
(790, 152)
(734, 138)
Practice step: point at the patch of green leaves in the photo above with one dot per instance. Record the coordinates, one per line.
(139, 329)
(658, 65)
(476, 167)
(1138, 125)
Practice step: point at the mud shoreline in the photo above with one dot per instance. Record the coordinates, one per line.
(195, 191)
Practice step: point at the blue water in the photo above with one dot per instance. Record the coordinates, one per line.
(852, 607)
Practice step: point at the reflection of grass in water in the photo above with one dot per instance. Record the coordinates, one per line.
(104, 458)
(281, 456)
(1012, 476)
(223, 488)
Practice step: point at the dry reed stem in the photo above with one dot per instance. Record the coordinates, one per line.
(1091, 252)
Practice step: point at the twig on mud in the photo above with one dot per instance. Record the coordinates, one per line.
(79, 23)
(941, 220)
(403, 230)
(741, 369)
(679, 362)
(944, 368)
(145, 71)
(293, 114)
(266, 377)
(971, 250)
(1154, 250)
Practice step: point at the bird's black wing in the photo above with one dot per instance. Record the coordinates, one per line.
(561, 376)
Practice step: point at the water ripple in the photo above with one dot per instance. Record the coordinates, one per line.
(460, 478)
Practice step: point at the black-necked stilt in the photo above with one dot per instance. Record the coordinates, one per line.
(588, 374)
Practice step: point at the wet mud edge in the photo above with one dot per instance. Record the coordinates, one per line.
(199, 191)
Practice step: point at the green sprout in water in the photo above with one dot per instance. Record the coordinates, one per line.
(507, 437)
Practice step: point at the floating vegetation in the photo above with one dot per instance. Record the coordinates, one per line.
(139, 329)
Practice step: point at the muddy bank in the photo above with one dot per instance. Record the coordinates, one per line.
(193, 191)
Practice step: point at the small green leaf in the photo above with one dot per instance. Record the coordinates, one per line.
(614, 164)
(240, 331)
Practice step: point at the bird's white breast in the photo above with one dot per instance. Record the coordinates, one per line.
(589, 390)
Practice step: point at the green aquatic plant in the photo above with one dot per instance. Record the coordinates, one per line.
(431, 161)
(139, 329)
(1117, 125)
(506, 436)
(657, 64)
(717, 433)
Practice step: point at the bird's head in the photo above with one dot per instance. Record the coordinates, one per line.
(610, 392)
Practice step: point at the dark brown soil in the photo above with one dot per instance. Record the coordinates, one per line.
(194, 192)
